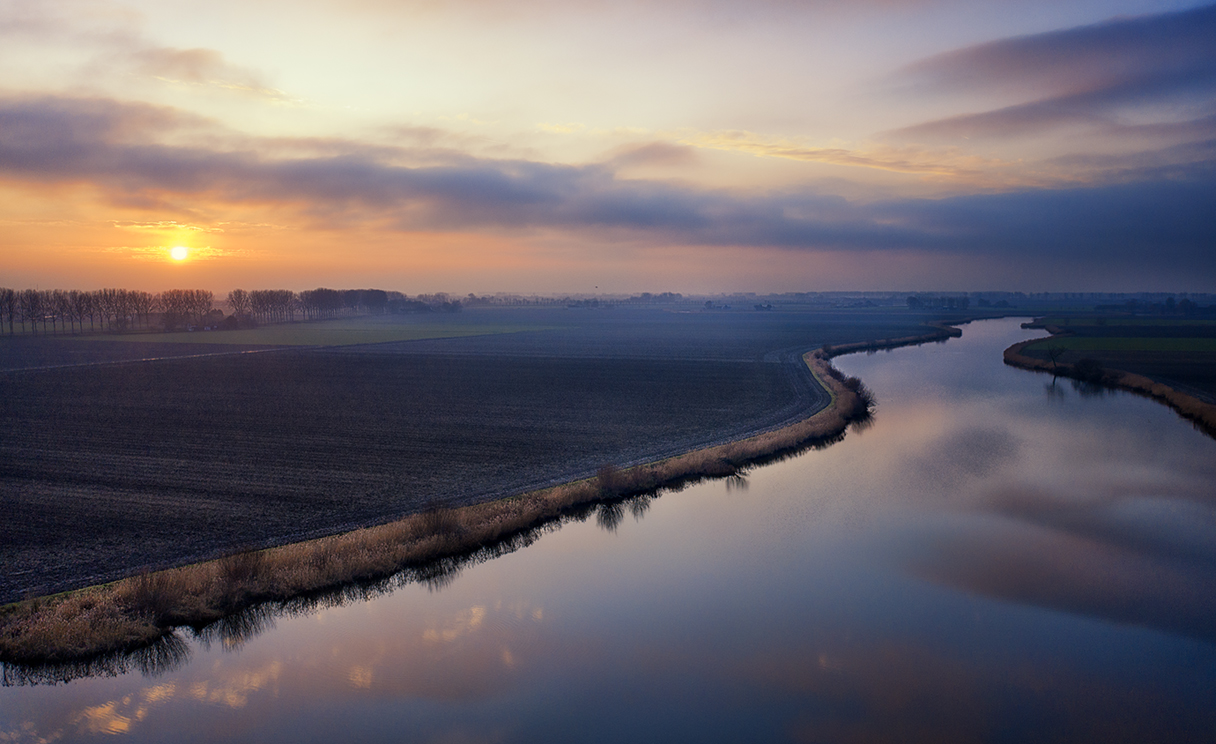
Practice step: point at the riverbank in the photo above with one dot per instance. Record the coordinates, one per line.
(1202, 414)
(136, 612)
(940, 332)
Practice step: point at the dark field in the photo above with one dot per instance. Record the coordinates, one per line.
(40, 352)
(109, 469)
(1178, 353)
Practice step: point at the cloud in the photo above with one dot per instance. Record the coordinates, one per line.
(1115, 74)
(134, 154)
(1152, 220)
(1130, 559)
(1102, 106)
(200, 67)
(1078, 59)
(912, 160)
(655, 154)
(109, 36)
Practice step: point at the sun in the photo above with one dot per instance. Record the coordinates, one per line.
(179, 253)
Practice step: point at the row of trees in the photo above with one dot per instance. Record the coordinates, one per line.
(283, 305)
(947, 303)
(62, 311)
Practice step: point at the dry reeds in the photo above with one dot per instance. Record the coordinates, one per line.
(940, 332)
(428, 546)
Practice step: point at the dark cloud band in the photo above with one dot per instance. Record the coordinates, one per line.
(130, 153)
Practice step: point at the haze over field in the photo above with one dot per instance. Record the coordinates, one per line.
(692, 145)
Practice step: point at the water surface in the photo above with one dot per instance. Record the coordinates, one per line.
(996, 558)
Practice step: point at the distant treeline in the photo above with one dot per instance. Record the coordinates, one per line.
(1185, 306)
(283, 305)
(64, 311)
(120, 310)
(949, 303)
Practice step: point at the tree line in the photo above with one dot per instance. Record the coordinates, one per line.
(119, 310)
(67, 311)
(283, 305)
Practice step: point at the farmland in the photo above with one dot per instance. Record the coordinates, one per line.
(109, 469)
(342, 332)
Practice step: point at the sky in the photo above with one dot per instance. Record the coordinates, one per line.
(588, 146)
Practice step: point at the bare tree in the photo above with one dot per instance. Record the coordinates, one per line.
(79, 303)
(143, 304)
(8, 307)
(107, 303)
(1054, 352)
(30, 305)
(238, 300)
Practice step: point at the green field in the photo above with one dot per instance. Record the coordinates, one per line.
(343, 332)
(1125, 343)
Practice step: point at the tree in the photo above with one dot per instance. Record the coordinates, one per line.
(8, 307)
(30, 304)
(238, 300)
(78, 303)
(1054, 352)
(1089, 370)
(183, 306)
(144, 304)
(107, 303)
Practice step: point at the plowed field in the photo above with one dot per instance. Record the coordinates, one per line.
(113, 468)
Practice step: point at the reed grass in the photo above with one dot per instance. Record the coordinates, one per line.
(133, 613)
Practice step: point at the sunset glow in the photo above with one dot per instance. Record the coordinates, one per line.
(700, 146)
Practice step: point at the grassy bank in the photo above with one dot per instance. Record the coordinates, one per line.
(940, 332)
(1201, 413)
(135, 612)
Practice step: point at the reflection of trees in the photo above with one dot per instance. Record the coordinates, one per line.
(737, 482)
(610, 515)
(234, 631)
(1088, 389)
(167, 654)
(640, 504)
(1054, 391)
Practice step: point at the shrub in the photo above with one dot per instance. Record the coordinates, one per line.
(1089, 370)
(243, 567)
(155, 596)
(610, 480)
(439, 521)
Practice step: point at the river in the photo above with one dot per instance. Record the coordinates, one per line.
(996, 558)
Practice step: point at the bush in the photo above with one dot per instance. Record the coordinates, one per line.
(155, 596)
(1089, 370)
(610, 480)
(242, 567)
